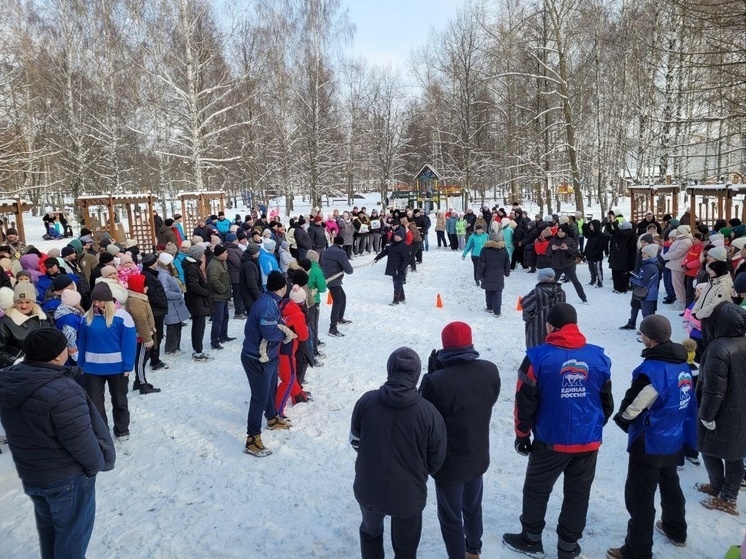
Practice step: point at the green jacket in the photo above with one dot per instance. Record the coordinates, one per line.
(218, 280)
(461, 227)
(316, 281)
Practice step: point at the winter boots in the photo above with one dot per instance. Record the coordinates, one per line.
(716, 503)
(660, 530)
(628, 326)
(706, 488)
(255, 447)
(278, 422)
(522, 544)
(398, 297)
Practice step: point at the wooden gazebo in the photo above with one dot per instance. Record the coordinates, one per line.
(11, 215)
(195, 205)
(100, 215)
(710, 202)
(660, 199)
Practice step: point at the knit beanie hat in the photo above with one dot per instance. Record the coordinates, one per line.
(300, 277)
(739, 284)
(70, 297)
(313, 256)
(562, 314)
(148, 260)
(297, 294)
(456, 334)
(718, 253)
(44, 344)
(564, 219)
(648, 238)
(269, 245)
(739, 243)
(252, 249)
(105, 258)
(656, 327)
(165, 258)
(545, 275)
(651, 251)
(101, 292)
(112, 249)
(61, 282)
(719, 267)
(107, 271)
(683, 229)
(184, 244)
(136, 283)
(305, 263)
(339, 240)
(231, 238)
(197, 252)
(7, 295)
(24, 292)
(67, 251)
(218, 250)
(625, 225)
(171, 249)
(275, 281)
(125, 259)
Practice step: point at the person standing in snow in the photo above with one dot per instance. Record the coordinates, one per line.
(263, 324)
(563, 250)
(622, 253)
(464, 389)
(645, 282)
(396, 266)
(58, 441)
(474, 245)
(537, 304)
(656, 413)
(563, 396)
(335, 265)
(400, 439)
(493, 267)
(596, 246)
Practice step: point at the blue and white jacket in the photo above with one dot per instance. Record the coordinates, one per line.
(107, 351)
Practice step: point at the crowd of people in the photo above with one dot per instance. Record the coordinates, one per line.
(95, 314)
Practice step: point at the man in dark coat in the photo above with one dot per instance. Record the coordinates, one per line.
(302, 238)
(622, 253)
(659, 414)
(648, 219)
(563, 250)
(397, 252)
(596, 246)
(234, 270)
(493, 267)
(519, 234)
(317, 235)
(335, 265)
(400, 439)
(159, 304)
(197, 299)
(463, 388)
(58, 441)
(721, 392)
(563, 396)
(250, 278)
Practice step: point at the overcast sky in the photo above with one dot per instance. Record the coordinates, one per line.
(387, 30)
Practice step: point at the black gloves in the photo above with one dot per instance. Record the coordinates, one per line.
(432, 362)
(523, 445)
(623, 423)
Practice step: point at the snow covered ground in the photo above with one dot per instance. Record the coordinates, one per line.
(183, 487)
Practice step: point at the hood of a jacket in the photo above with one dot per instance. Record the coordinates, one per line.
(455, 355)
(64, 310)
(404, 368)
(494, 244)
(568, 337)
(669, 352)
(20, 381)
(596, 228)
(727, 320)
(553, 287)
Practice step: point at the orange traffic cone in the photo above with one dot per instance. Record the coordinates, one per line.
(518, 305)
(438, 302)
(329, 298)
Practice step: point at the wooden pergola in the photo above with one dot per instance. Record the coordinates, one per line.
(660, 199)
(710, 202)
(100, 215)
(11, 215)
(196, 205)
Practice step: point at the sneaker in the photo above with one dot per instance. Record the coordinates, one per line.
(344, 321)
(574, 554)
(716, 503)
(228, 339)
(216, 346)
(255, 447)
(160, 365)
(316, 363)
(592, 282)
(175, 353)
(148, 388)
(616, 553)
(628, 326)
(201, 357)
(496, 315)
(320, 344)
(584, 301)
(319, 354)
(599, 284)
(693, 460)
(660, 530)
(707, 489)
(278, 422)
(239, 317)
(336, 333)
(123, 436)
(519, 543)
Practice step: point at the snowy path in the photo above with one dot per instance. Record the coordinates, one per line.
(183, 486)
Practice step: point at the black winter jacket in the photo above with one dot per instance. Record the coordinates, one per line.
(14, 327)
(622, 249)
(401, 439)
(302, 238)
(318, 237)
(197, 297)
(335, 261)
(493, 266)
(249, 281)
(596, 243)
(54, 431)
(156, 294)
(562, 259)
(398, 254)
(721, 390)
(234, 261)
(463, 389)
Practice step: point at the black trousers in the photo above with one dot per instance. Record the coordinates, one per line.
(573, 277)
(643, 478)
(517, 258)
(198, 332)
(544, 468)
(155, 352)
(118, 385)
(453, 239)
(238, 306)
(474, 262)
(416, 257)
(405, 535)
(620, 279)
(173, 337)
(141, 361)
(339, 303)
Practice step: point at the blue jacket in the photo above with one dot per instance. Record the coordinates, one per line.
(572, 397)
(179, 265)
(223, 226)
(262, 322)
(267, 264)
(54, 431)
(664, 425)
(335, 261)
(107, 351)
(475, 244)
(451, 225)
(177, 309)
(647, 276)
